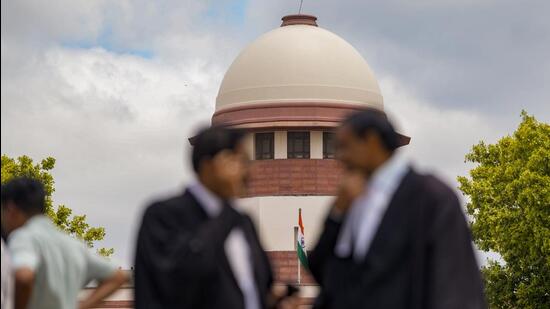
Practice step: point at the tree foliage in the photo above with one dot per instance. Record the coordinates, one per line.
(62, 216)
(509, 203)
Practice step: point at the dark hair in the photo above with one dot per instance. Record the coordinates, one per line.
(375, 121)
(26, 193)
(211, 141)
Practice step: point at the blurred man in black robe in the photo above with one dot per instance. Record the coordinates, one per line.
(394, 238)
(195, 250)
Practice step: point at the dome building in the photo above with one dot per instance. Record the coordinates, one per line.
(288, 90)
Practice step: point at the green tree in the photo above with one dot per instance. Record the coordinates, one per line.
(63, 217)
(509, 204)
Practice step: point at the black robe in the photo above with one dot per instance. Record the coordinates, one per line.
(180, 259)
(421, 256)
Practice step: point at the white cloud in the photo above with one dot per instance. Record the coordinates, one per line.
(440, 137)
(117, 124)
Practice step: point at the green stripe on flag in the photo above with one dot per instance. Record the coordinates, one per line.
(302, 255)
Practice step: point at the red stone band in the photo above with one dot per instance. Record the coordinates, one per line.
(292, 114)
(299, 19)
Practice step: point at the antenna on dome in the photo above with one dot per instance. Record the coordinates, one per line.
(300, 9)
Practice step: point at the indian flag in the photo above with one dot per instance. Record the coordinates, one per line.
(300, 241)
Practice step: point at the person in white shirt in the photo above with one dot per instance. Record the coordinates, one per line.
(50, 267)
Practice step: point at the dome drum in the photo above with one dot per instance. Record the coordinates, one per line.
(285, 115)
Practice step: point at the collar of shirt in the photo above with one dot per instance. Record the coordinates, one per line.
(38, 220)
(211, 203)
(367, 211)
(388, 176)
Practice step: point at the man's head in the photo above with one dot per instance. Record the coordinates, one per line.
(220, 161)
(365, 140)
(21, 199)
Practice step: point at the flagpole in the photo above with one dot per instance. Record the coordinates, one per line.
(299, 268)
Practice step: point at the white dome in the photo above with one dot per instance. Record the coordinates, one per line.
(299, 63)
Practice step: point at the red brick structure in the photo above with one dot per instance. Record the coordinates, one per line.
(294, 177)
(285, 268)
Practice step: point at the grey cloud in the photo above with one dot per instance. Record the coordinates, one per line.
(38, 22)
(487, 56)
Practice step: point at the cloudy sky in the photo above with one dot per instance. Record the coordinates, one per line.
(112, 89)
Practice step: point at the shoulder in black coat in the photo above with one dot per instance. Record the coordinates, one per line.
(180, 260)
(421, 256)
